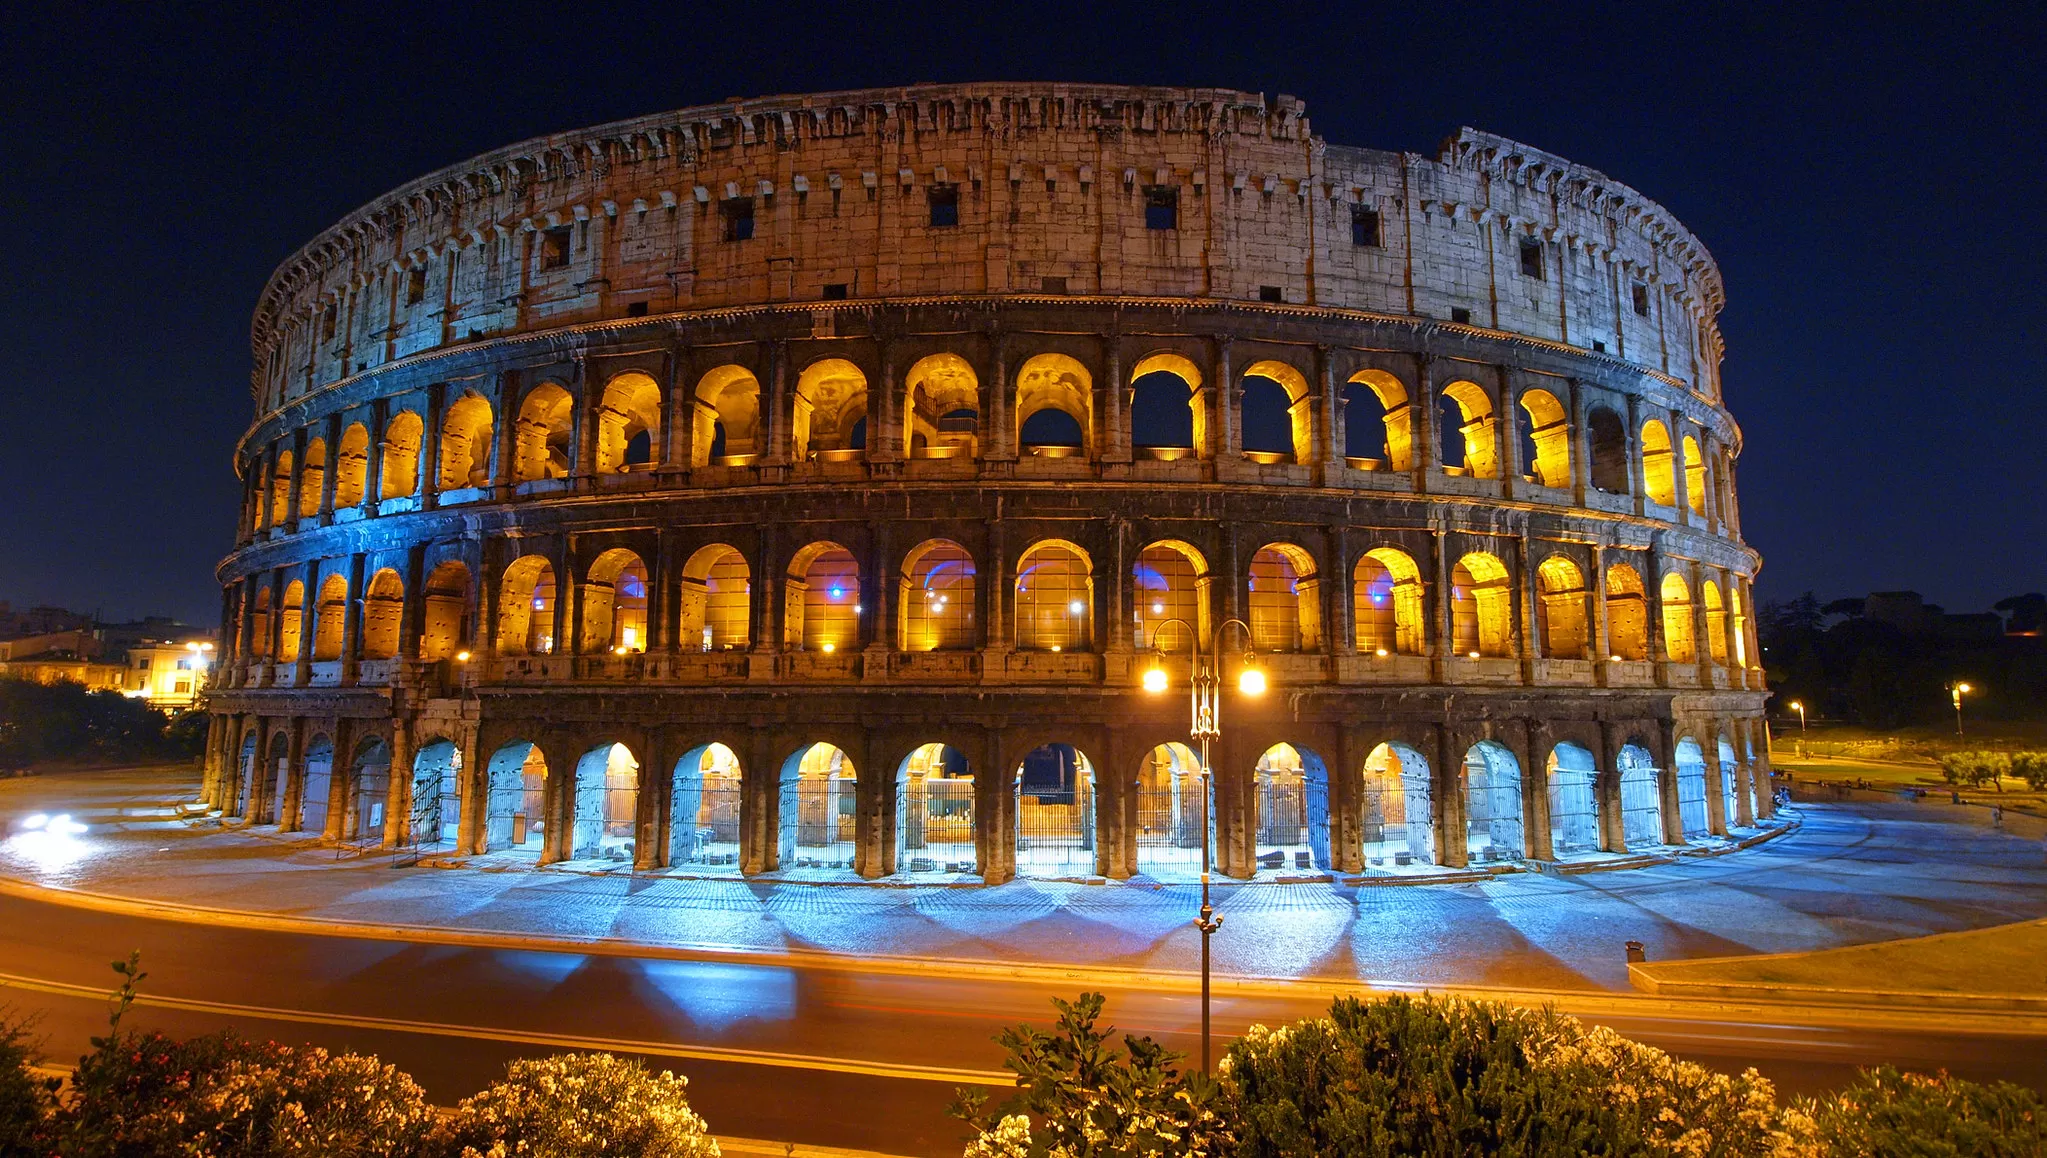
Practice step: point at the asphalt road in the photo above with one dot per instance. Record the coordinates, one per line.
(803, 1055)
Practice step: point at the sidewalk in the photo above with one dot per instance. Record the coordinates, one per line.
(1851, 874)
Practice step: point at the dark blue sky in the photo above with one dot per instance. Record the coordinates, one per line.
(1869, 184)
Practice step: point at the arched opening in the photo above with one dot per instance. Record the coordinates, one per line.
(1470, 442)
(823, 599)
(399, 476)
(316, 785)
(329, 618)
(1278, 425)
(383, 614)
(1378, 421)
(291, 625)
(1606, 438)
(465, 444)
(943, 408)
(1292, 832)
(1546, 439)
(936, 601)
(1481, 608)
(1562, 606)
(728, 418)
(1737, 623)
(1677, 620)
(1171, 581)
(279, 774)
(1716, 622)
(526, 608)
(351, 466)
(1659, 480)
(1573, 802)
(515, 802)
(444, 620)
(1055, 597)
(703, 813)
(258, 642)
(1729, 778)
(1165, 411)
(437, 794)
(1386, 604)
(935, 812)
(1492, 793)
(1691, 790)
(1062, 390)
(1641, 797)
(248, 764)
(542, 440)
(280, 489)
(1398, 812)
(831, 401)
(716, 600)
(1627, 613)
(370, 791)
(1055, 813)
(1695, 476)
(615, 604)
(1169, 811)
(817, 810)
(628, 424)
(312, 477)
(607, 805)
(1286, 602)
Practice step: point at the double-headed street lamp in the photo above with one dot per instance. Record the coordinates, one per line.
(1205, 697)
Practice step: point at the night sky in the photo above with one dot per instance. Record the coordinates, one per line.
(1870, 186)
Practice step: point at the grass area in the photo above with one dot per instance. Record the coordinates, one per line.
(1902, 773)
(2007, 959)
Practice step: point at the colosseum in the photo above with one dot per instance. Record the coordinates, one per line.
(807, 486)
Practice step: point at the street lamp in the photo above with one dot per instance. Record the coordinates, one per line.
(1957, 690)
(1205, 698)
(1799, 707)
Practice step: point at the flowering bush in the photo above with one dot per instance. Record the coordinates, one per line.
(588, 1105)
(1886, 1114)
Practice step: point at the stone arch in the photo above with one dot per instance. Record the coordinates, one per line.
(831, 411)
(936, 830)
(1058, 383)
(1606, 445)
(515, 799)
(1171, 581)
(1055, 597)
(1378, 420)
(1169, 812)
(1387, 605)
(1627, 613)
(1275, 395)
(629, 424)
(1693, 816)
(822, 604)
(1481, 608)
(399, 476)
(605, 824)
(1659, 478)
(383, 614)
(280, 489)
(330, 617)
(1470, 431)
(1165, 410)
(716, 600)
(942, 408)
(728, 426)
(1716, 621)
(312, 477)
(291, 622)
(259, 642)
(1398, 808)
(526, 607)
(248, 763)
(1285, 599)
(1729, 782)
(351, 466)
(278, 764)
(465, 444)
(815, 820)
(1572, 776)
(369, 790)
(1676, 600)
(316, 784)
(1695, 476)
(1055, 812)
(437, 793)
(704, 808)
(1492, 792)
(1291, 803)
(1641, 793)
(444, 620)
(1564, 631)
(614, 595)
(935, 598)
(543, 439)
(1548, 439)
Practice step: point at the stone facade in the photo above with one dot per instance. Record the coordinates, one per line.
(836, 420)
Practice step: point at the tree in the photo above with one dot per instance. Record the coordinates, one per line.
(2025, 613)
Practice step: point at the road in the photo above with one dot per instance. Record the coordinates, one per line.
(806, 1055)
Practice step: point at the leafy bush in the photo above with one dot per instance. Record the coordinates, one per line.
(1973, 768)
(2030, 767)
(63, 721)
(26, 1097)
(587, 1105)
(1078, 1098)
(1886, 1114)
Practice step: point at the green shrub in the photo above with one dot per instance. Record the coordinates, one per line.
(2030, 767)
(588, 1105)
(1974, 767)
(1886, 1114)
(26, 1097)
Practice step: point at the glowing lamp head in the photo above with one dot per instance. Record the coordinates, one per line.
(461, 657)
(1155, 680)
(1076, 607)
(1964, 688)
(838, 592)
(1158, 609)
(1796, 706)
(1381, 653)
(1251, 681)
(830, 648)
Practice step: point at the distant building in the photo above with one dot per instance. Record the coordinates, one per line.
(169, 673)
(1909, 612)
(39, 621)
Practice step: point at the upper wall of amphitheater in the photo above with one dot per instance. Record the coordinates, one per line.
(1050, 186)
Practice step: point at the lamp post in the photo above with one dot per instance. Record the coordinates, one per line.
(1205, 699)
(1957, 690)
(1799, 707)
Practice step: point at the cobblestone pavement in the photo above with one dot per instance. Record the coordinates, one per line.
(1851, 873)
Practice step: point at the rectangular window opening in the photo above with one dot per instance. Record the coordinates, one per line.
(1598, 347)
(1053, 285)
(835, 291)
(1364, 226)
(1161, 207)
(636, 309)
(1460, 315)
(1271, 293)
(738, 214)
(1531, 257)
(1641, 299)
(945, 206)
(415, 286)
(554, 248)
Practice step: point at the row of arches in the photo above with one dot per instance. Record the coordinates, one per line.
(700, 814)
